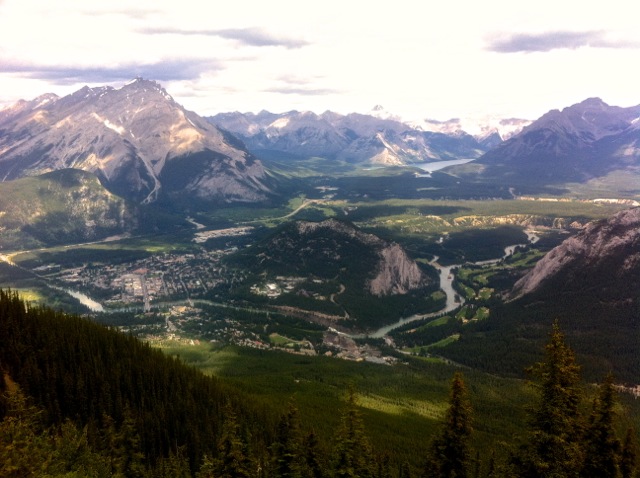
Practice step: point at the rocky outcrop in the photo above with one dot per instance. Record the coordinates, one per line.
(338, 250)
(397, 273)
(608, 248)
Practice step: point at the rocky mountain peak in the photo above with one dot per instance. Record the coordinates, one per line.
(131, 138)
(590, 120)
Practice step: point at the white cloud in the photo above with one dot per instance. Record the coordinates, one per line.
(416, 59)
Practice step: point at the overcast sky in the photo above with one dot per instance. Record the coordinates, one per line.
(417, 58)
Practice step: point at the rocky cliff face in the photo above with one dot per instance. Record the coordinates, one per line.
(397, 274)
(605, 255)
(136, 139)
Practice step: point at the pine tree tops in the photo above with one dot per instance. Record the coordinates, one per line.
(352, 453)
(449, 455)
(562, 443)
(556, 424)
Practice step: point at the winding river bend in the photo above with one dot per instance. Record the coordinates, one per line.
(446, 285)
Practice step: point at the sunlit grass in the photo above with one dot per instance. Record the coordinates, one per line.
(398, 406)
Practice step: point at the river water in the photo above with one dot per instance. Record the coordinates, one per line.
(85, 300)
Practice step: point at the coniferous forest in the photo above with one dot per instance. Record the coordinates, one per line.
(79, 399)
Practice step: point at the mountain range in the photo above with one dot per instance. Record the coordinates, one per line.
(140, 143)
(356, 138)
(145, 147)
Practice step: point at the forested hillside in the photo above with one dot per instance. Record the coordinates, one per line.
(78, 399)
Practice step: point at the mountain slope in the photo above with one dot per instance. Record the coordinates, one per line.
(60, 207)
(354, 138)
(136, 139)
(590, 283)
(108, 382)
(602, 259)
(579, 143)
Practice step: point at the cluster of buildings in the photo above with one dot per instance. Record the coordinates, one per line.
(159, 277)
(277, 287)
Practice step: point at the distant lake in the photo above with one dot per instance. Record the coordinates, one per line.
(436, 165)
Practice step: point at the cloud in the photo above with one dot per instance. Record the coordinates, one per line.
(247, 36)
(135, 13)
(166, 70)
(287, 90)
(547, 41)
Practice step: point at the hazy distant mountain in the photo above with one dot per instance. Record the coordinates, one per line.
(136, 139)
(581, 142)
(378, 138)
(488, 131)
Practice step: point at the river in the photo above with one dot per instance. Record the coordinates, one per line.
(85, 300)
(446, 285)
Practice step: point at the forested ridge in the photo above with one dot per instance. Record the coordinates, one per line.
(79, 399)
(75, 369)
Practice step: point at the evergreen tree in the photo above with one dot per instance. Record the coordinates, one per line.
(602, 447)
(554, 447)
(175, 466)
(491, 468)
(288, 458)
(315, 466)
(27, 449)
(384, 466)
(23, 449)
(352, 452)
(449, 454)
(131, 459)
(629, 455)
(405, 471)
(232, 460)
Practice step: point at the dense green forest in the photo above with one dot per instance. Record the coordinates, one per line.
(79, 399)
